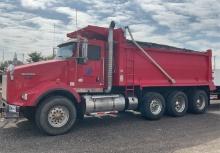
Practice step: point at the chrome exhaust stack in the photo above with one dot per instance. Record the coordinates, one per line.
(110, 57)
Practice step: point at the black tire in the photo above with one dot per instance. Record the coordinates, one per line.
(177, 104)
(81, 111)
(29, 113)
(194, 106)
(50, 106)
(150, 100)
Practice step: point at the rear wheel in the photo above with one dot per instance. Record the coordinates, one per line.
(198, 102)
(56, 115)
(177, 104)
(152, 106)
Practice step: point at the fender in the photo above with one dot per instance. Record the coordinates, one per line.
(35, 94)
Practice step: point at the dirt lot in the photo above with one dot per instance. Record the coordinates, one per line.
(125, 133)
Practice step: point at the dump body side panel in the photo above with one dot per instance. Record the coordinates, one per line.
(187, 68)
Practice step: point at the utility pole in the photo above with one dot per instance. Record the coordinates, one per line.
(54, 39)
(23, 58)
(53, 51)
(214, 62)
(76, 20)
(15, 59)
(3, 55)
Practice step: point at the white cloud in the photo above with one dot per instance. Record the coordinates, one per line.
(43, 23)
(188, 24)
(186, 21)
(204, 45)
(6, 6)
(24, 38)
(83, 18)
(37, 4)
(196, 15)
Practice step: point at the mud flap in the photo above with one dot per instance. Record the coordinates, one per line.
(1, 113)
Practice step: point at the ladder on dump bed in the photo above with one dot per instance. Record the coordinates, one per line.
(129, 73)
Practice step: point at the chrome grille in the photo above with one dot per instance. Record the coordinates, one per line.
(4, 87)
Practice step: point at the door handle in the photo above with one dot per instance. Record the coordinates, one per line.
(97, 79)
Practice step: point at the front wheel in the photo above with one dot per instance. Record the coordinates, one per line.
(56, 115)
(152, 106)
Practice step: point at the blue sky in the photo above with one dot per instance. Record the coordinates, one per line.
(27, 25)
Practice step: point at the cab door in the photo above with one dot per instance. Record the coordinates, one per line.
(90, 74)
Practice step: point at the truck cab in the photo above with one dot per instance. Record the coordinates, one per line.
(86, 64)
(60, 86)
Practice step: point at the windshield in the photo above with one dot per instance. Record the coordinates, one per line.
(66, 50)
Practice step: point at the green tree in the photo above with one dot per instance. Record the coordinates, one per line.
(4, 65)
(49, 57)
(35, 57)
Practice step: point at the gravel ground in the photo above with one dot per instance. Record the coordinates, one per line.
(125, 133)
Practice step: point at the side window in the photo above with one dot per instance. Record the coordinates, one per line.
(94, 52)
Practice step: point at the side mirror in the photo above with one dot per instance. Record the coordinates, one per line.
(83, 49)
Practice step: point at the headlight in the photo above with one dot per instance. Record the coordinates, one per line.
(24, 96)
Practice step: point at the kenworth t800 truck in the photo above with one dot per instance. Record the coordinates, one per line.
(99, 70)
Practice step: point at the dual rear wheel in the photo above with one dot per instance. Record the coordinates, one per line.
(198, 102)
(152, 106)
(176, 104)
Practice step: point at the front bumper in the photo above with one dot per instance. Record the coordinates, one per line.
(9, 111)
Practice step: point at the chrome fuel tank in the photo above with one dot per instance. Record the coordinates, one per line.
(102, 103)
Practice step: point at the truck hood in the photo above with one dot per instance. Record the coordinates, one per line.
(37, 64)
(30, 75)
(27, 77)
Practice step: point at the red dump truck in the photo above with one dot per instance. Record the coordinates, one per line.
(99, 70)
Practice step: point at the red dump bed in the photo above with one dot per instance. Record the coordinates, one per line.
(186, 67)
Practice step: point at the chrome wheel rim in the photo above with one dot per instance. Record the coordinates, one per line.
(180, 104)
(155, 106)
(200, 103)
(58, 116)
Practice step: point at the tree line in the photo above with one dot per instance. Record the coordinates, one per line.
(32, 57)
